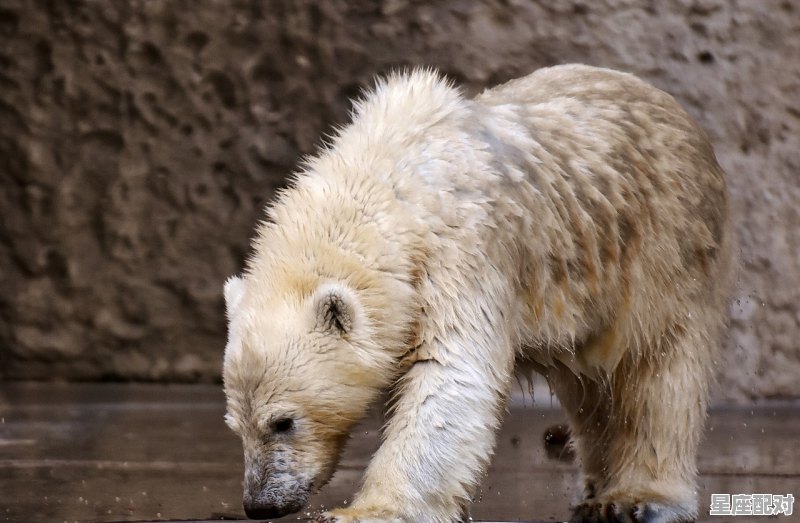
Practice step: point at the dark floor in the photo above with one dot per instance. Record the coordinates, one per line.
(147, 452)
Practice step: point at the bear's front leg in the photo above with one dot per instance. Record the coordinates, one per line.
(441, 433)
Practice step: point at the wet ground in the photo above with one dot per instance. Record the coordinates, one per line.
(108, 452)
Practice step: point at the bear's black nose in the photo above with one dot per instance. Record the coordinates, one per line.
(259, 511)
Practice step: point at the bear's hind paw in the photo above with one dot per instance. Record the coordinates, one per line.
(643, 512)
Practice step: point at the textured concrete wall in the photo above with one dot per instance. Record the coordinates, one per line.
(139, 141)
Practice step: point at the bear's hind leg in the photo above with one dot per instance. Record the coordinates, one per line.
(586, 403)
(656, 412)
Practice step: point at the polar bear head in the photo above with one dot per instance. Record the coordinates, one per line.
(300, 370)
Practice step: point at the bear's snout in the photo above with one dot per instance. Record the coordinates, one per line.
(257, 510)
(273, 495)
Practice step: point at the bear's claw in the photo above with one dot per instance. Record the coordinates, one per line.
(348, 516)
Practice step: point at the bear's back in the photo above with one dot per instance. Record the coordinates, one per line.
(631, 205)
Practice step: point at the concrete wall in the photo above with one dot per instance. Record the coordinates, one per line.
(139, 141)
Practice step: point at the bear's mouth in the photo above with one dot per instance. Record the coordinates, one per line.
(257, 511)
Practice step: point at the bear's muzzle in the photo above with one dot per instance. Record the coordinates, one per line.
(269, 494)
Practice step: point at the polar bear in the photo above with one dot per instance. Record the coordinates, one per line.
(573, 221)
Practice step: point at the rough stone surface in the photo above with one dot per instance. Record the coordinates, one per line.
(139, 141)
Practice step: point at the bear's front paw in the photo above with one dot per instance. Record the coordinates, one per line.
(592, 511)
(353, 515)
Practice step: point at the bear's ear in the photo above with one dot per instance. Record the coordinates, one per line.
(234, 293)
(335, 309)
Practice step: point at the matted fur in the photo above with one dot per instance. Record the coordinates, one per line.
(574, 220)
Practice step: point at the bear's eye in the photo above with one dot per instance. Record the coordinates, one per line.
(282, 425)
